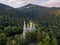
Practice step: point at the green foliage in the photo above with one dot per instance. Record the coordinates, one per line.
(11, 23)
(39, 35)
(9, 41)
(12, 30)
(17, 39)
(2, 39)
(28, 36)
(40, 43)
(54, 41)
(46, 40)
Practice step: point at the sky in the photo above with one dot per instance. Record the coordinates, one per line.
(19, 3)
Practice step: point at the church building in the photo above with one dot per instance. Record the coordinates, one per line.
(28, 27)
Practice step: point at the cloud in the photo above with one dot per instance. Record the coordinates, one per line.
(11, 1)
(51, 3)
(18, 3)
(47, 3)
(14, 3)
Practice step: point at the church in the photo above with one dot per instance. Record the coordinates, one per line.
(28, 27)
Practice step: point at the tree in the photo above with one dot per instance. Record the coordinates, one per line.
(39, 35)
(7, 30)
(28, 37)
(33, 36)
(40, 43)
(8, 41)
(13, 42)
(12, 30)
(54, 41)
(2, 38)
(46, 40)
(17, 39)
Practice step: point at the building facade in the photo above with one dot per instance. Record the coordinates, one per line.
(28, 27)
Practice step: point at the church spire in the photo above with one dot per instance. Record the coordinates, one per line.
(24, 27)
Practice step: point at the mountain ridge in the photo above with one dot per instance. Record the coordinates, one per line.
(28, 5)
(33, 12)
(10, 15)
(34, 5)
(39, 13)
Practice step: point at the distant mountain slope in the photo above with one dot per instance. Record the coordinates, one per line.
(39, 13)
(10, 16)
(48, 18)
(45, 16)
(42, 15)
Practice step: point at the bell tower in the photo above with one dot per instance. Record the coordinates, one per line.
(24, 29)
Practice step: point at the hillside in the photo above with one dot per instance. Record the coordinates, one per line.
(10, 16)
(47, 22)
(41, 14)
(48, 18)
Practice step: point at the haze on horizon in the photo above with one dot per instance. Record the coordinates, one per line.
(19, 3)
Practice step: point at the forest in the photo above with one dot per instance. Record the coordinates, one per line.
(47, 22)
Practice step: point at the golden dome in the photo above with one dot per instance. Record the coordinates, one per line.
(31, 23)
